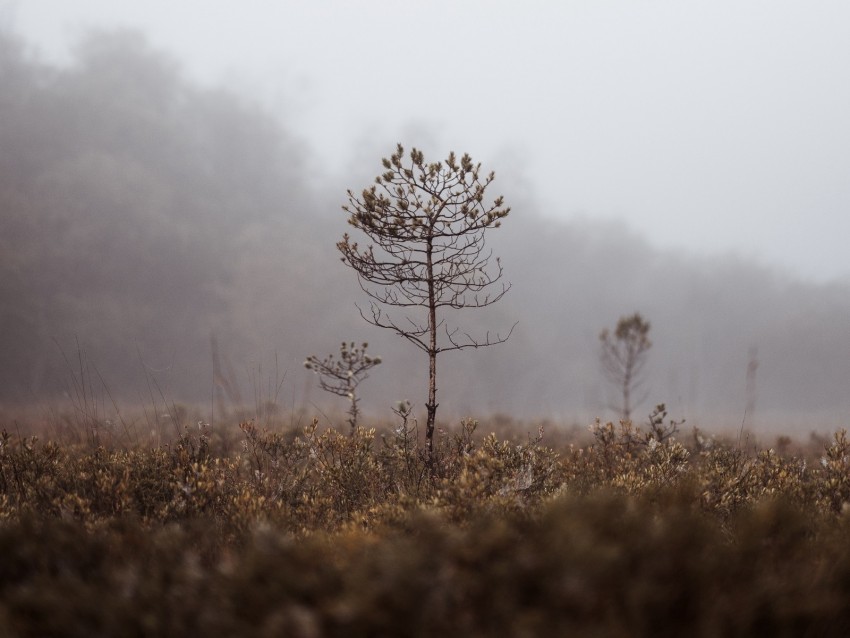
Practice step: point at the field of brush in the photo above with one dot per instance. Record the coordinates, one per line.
(244, 530)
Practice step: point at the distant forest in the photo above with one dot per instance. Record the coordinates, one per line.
(144, 218)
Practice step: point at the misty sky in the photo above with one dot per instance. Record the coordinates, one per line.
(708, 127)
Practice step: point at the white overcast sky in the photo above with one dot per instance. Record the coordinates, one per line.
(710, 127)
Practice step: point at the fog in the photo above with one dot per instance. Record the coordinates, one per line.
(145, 215)
(707, 127)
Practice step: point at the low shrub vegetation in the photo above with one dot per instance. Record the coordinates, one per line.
(260, 531)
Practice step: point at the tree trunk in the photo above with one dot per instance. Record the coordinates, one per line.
(431, 405)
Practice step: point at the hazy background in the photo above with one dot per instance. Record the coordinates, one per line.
(173, 172)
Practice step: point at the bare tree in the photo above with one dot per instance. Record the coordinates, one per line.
(342, 376)
(623, 355)
(427, 222)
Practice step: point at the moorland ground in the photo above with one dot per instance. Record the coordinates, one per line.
(249, 529)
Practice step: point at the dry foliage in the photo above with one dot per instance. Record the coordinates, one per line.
(314, 533)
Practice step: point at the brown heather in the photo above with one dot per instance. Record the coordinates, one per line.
(308, 532)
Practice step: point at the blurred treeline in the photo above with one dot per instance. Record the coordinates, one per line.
(143, 215)
(135, 208)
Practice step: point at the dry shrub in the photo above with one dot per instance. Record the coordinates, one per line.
(312, 533)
